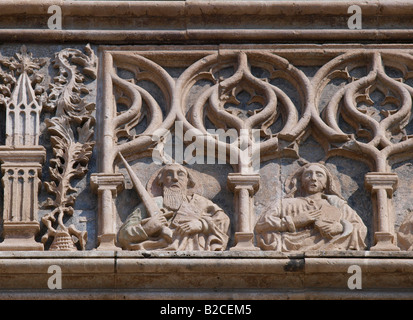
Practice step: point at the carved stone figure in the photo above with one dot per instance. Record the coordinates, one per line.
(312, 217)
(184, 221)
(405, 233)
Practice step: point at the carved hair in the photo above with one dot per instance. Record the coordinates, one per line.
(294, 188)
(191, 181)
(155, 185)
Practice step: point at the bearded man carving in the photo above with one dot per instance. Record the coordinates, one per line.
(185, 222)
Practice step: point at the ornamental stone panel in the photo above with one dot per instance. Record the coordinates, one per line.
(206, 149)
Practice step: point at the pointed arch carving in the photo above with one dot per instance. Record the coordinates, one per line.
(239, 89)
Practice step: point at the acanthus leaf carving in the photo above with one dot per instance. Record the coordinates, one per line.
(65, 93)
(72, 149)
(71, 159)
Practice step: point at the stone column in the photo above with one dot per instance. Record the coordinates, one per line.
(382, 186)
(21, 168)
(244, 187)
(107, 186)
(22, 160)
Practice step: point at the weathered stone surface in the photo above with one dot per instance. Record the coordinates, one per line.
(248, 100)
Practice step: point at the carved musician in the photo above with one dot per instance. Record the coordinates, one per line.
(313, 216)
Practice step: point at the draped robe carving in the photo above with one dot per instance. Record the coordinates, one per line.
(306, 223)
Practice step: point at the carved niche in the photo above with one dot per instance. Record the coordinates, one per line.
(128, 105)
(314, 216)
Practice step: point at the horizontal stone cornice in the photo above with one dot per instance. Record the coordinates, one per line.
(250, 275)
(205, 21)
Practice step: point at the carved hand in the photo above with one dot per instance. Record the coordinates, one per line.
(305, 218)
(188, 227)
(329, 229)
(154, 224)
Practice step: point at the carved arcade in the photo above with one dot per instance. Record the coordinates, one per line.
(378, 134)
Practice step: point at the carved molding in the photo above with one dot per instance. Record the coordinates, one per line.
(208, 22)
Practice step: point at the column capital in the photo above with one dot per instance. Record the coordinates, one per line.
(103, 181)
(22, 155)
(381, 180)
(237, 181)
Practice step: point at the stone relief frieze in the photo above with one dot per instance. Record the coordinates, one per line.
(240, 90)
(237, 110)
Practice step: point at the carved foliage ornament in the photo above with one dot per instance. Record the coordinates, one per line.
(71, 135)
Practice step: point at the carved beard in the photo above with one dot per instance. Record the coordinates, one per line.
(173, 198)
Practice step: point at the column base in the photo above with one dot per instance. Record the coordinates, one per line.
(21, 244)
(107, 242)
(384, 242)
(19, 236)
(244, 241)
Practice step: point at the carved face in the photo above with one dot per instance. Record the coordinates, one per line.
(175, 177)
(314, 179)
